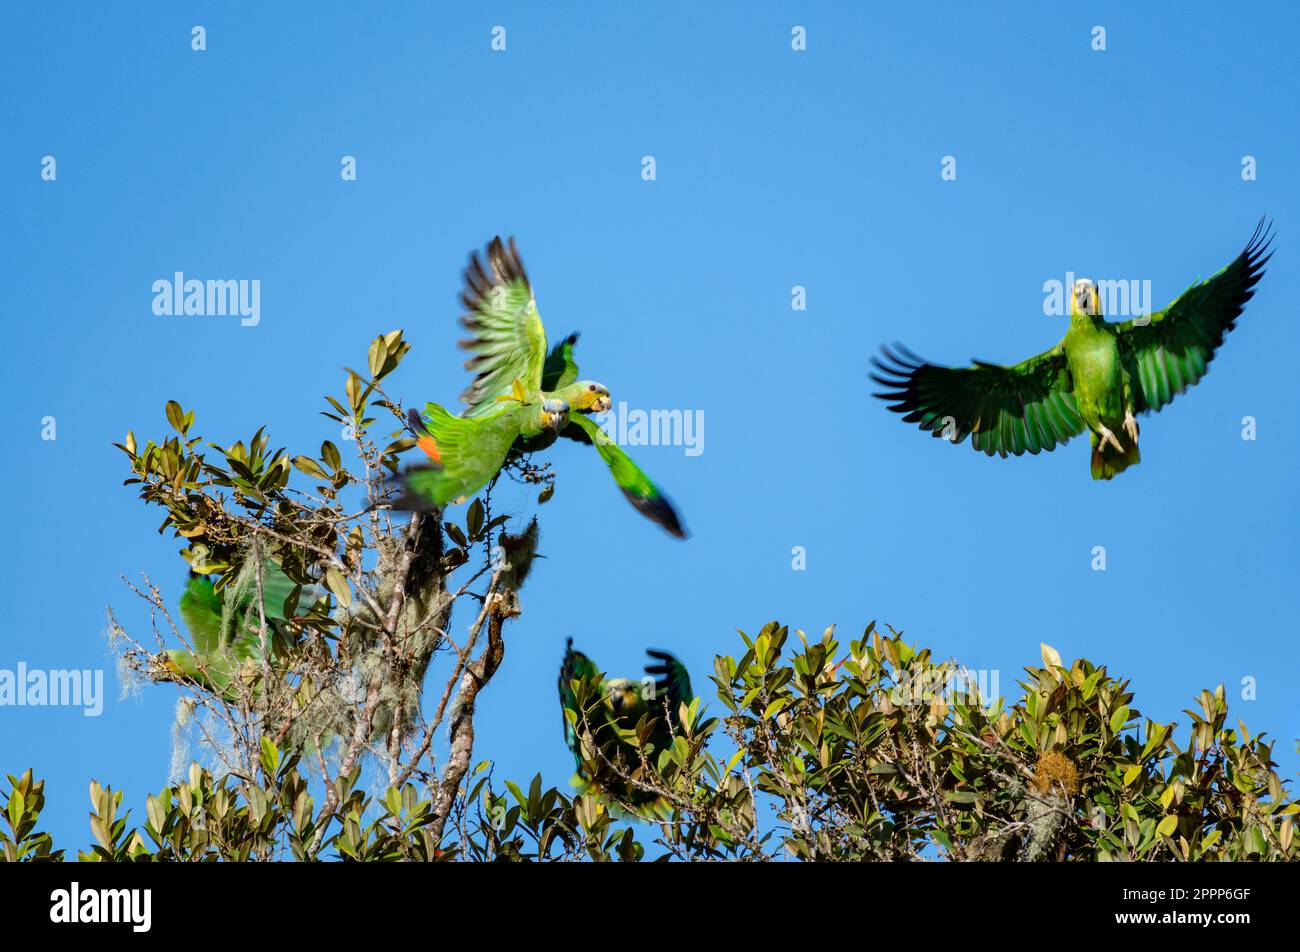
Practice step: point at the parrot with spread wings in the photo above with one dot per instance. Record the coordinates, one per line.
(520, 401)
(1098, 378)
(603, 717)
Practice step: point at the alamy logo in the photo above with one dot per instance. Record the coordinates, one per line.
(211, 298)
(36, 687)
(959, 685)
(102, 905)
(654, 427)
(1118, 297)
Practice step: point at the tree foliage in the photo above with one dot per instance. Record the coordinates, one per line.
(874, 752)
(323, 621)
(311, 628)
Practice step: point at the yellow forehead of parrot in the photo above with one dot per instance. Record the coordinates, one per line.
(1085, 296)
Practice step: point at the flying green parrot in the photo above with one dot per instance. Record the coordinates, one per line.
(1099, 377)
(520, 400)
(604, 742)
(224, 627)
(466, 452)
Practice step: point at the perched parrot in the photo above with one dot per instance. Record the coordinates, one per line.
(1099, 377)
(521, 399)
(224, 627)
(614, 708)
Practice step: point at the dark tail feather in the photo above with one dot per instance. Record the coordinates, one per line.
(411, 489)
(414, 423)
(658, 509)
(1110, 464)
(403, 491)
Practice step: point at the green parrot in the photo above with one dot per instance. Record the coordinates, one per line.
(466, 452)
(615, 708)
(1099, 377)
(225, 627)
(521, 399)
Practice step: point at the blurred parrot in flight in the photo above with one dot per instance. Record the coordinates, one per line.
(520, 401)
(1099, 377)
(601, 718)
(224, 628)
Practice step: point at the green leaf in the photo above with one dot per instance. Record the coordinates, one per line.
(270, 756)
(355, 391)
(330, 454)
(399, 446)
(1118, 719)
(1050, 655)
(393, 800)
(290, 607)
(176, 417)
(309, 466)
(337, 584)
(518, 793)
(474, 518)
(378, 354)
(15, 808)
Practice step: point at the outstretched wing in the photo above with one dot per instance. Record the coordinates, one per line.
(560, 369)
(508, 342)
(1170, 350)
(576, 667)
(230, 618)
(464, 453)
(201, 611)
(672, 690)
(672, 680)
(223, 628)
(1026, 407)
(636, 485)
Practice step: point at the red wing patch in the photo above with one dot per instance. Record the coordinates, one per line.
(430, 447)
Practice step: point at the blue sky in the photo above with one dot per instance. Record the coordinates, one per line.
(774, 168)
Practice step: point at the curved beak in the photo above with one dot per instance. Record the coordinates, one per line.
(1084, 300)
(602, 404)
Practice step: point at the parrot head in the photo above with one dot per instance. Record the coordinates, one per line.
(623, 696)
(1085, 299)
(592, 396)
(555, 414)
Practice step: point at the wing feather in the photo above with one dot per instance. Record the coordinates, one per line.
(464, 452)
(1005, 410)
(639, 489)
(1172, 349)
(508, 341)
(560, 369)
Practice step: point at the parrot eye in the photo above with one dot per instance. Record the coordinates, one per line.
(591, 387)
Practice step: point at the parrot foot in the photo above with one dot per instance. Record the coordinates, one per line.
(1107, 436)
(1131, 427)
